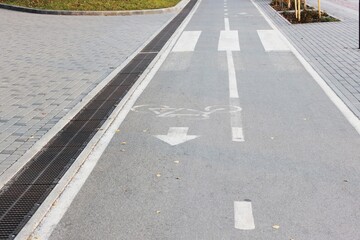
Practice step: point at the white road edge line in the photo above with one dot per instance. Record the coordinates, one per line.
(348, 114)
(49, 214)
(243, 215)
(187, 41)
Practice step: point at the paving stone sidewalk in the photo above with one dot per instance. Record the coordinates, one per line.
(49, 63)
(331, 48)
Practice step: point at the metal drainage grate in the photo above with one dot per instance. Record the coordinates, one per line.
(22, 196)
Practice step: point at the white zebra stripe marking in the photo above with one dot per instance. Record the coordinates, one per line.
(229, 41)
(187, 41)
(271, 41)
(243, 215)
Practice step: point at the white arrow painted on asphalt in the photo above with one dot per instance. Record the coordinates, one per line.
(176, 135)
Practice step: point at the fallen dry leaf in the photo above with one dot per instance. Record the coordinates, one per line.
(176, 162)
(117, 130)
(123, 143)
(275, 226)
(158, 175)
(158, 212)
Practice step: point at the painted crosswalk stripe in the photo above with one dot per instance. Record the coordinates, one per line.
(187, 41)
(229, 41)
(243, 215)
(271, 41)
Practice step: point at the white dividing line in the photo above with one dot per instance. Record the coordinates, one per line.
(187, 41)
(237, 134)
(272, 41)
(227, 24)
(236, 122)
(233, 89)
(229, 42)
(348, 114)
(243, 215)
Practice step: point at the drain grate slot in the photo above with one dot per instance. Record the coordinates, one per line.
(113, 93)
(124, 79)
(22, 196)
(48, 166)
(72, 139)
(100, 114)
(136, 66)
(22, 201)
(101, 104)
(90, 126)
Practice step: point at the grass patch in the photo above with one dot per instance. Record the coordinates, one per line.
(93, 5)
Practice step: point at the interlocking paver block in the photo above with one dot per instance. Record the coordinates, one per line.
(43, 76)
(331, 49)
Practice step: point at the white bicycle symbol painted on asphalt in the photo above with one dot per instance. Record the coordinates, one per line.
(170, 112)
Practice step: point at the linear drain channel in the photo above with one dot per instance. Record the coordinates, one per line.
(22, 196)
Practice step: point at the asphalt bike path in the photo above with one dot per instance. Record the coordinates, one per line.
(232, 139)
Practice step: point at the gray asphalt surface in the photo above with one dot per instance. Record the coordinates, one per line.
(299, 164)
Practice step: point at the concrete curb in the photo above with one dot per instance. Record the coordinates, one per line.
(177, 7)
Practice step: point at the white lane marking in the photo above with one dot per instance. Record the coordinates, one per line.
(348, 114)
(236, 123)
(233, 89)
(237, 134)
(227, 24)
(70, 184)
(229, 41)
(272, 41)
(176, 136)
(235, 117)
(187, 41)
(244, 218)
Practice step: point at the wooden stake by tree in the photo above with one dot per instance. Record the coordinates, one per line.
(319, 9)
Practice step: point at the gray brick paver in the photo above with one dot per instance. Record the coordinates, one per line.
(331, 49)
(49, 63)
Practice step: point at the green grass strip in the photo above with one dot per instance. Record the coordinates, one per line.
(93, 5)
